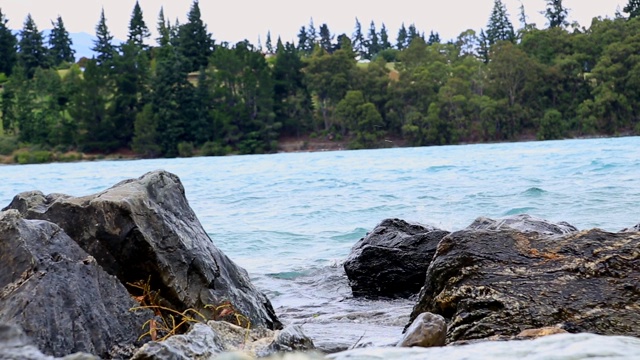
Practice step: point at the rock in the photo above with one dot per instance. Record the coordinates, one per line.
(208, 341)
(392, 260)
(523, 223)
(144, 228)
(545, 331)
(427, 330)
(500, 282)
(635, 228)
(59, 296)
(201, 342)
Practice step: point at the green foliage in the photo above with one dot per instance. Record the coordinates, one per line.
(185, 149)
(33, 157)
(60, 44)
(102, 45)
(32, 53)
(499, 27)
(211, 148)
(556, 13)
(8, 144)
(551, 126)
(632, 8)
(194, 42)
(8, 46)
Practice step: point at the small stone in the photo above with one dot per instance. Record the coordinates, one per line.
(544, 331)
(427, 330)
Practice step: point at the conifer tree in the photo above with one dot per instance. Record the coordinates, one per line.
(434, 38)
(32, 54)
(303, 40)
(384, 38)
(412, 33)
(499, 27)
(312, 35)
(326, 38)
(60, 44)
(164, 30)
(268, 44)
(373, 42)
(632, 8)
(401, 40)
(358, 40)
(556, 14)
(8, 46)
(195, 43)
(138, 30)
(102, 45)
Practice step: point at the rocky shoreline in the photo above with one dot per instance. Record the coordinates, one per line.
(130, 273)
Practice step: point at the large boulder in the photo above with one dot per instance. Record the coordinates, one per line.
(500, 282)
(392, 260)
(59, 295)
(143, 230)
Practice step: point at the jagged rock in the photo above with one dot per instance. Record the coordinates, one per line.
(523, 223)
(392, 260)
(635, 228)
(201, 342)
(208, 341)
(545, 331)
(427, 330)
(57, 293)
(143, 229)
(500, 282)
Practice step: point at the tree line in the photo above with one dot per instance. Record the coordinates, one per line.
(189, 93)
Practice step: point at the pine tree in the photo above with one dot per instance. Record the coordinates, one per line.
(373, 42)
(32, 54)
(312, 35)
(358, 40)
(401, 41)
(303, 40)
(268, 44)
(556, 14)
(326, 38)
(164, 30)
(412, 33)
(384, 38)
(8, 46)
(138, 30)
(102, 46)
(632, 8)
(60, 44)
(195, 43)
(434, 38)
(499, 27)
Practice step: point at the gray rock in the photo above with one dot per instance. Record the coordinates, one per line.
(291, 339)
(635, 228)
(392, 260)
(200, 343)
(143, 229)
(523, 223)
(500, 282)
(427, 330)
(59, 296)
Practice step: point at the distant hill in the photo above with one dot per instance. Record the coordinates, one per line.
(82, 42)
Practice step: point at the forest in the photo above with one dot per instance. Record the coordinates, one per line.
(190, 94)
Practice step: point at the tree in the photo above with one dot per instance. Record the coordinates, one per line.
(384, 38)
(434, 38)
(32, 53)
(556, 14)
(138, 30)
(358, 43)
(632, 8)
(268, 44)
(373, 42)
(60, 44)
(164, 30)
(195, 43)
(312, 35)
(402, 38)
(326, 38)
(303, 40)
(499, 27)
(8, 46)
(102, 45)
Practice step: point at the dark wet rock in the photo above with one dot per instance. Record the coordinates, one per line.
(523, 223)
(290, 339)
(635, 228)
(144, 228)
(201, 342)
(427, 330)
(500, 282)
(392, 260)
(59, 296)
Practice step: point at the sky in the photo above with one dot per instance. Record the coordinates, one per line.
(237, 20)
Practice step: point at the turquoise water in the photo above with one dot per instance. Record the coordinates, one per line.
(290, 219)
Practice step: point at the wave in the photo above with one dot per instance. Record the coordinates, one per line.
(534, 192)
(518, 211)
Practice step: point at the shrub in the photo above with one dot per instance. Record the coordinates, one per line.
(8, 144)
(211, 148)
(185, 149)
(33, 157)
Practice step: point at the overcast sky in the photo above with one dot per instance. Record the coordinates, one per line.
(236, 20)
